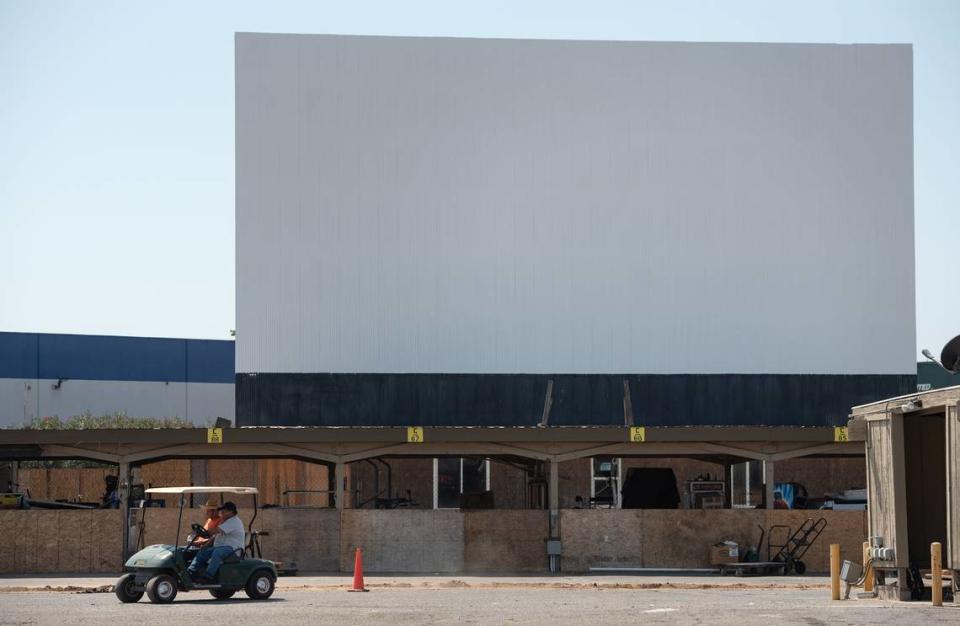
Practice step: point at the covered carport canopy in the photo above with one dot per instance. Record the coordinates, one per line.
(337, 445)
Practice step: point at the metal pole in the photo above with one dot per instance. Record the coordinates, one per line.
(553, 498)
(768, 483)
(936, 574)
(746, 473)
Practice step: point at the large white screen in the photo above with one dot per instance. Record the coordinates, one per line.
(508, 206)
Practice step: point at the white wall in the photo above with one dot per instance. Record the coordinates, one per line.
(506, 206)
(24, 399)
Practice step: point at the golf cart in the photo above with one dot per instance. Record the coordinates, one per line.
(161, 570)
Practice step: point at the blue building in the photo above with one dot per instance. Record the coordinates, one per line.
(64, 375)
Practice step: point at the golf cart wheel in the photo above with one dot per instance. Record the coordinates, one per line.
(799, 567)
(260, 585)
(126, 589)
(162, 589)
(222, 594)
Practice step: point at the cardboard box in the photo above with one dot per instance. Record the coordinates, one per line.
(723, 553)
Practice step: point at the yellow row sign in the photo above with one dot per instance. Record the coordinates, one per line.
(214, 435)
(638, 434)
(841, 434)
(414, 434)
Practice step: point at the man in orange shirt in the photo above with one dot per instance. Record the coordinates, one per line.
(213, 520)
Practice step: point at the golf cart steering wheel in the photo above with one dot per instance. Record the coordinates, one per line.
(199, 531)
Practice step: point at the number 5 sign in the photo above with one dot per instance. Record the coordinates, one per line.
(414, 434)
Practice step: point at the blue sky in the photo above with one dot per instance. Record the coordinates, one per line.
(117, 150)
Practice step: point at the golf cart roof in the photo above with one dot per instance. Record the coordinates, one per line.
(247, 490)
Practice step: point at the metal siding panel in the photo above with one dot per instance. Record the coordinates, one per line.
(517, 399)
(18, 355)
(96, 357)
(17, 401)
(209, 361)
(102, 397)
(208, 401)
(91, 357)
(505, 206)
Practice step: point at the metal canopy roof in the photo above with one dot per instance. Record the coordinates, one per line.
(348, 444)
(435, 434)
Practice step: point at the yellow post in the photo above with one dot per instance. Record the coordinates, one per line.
(834, 571)
(867, 568)
(936, 574)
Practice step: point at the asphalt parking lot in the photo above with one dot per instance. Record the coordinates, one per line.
(456, 601)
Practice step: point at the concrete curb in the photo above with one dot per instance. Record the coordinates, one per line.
(459, 584)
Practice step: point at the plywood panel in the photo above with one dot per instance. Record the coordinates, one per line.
(106, 540)
(274, 476)
(49, 534)
(501, 541)
(33, 480)
(171, 473)
(847, 528)
(881, 494)
(25, 540)
(310, 538)
(952, 549)
(403, 540)
(602, 537)
(8, 530)
(682, 538)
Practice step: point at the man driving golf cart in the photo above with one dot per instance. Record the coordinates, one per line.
(161, 570)
(228, 537)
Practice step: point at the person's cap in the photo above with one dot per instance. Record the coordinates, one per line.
(228, 506)
(211, 504)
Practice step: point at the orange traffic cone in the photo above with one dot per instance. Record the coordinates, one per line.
(358, 573)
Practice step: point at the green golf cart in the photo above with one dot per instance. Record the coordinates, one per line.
(160, 570)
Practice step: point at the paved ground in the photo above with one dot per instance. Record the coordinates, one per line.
(93, 582)
(543, 600)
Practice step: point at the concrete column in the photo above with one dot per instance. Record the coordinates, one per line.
(768, 480)
(123, 484)
(339, 474)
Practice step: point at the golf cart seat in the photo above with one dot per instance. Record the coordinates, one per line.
(235, 557)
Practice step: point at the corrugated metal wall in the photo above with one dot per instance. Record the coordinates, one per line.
(410, 205)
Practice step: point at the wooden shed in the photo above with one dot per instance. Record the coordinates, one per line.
(913, 482)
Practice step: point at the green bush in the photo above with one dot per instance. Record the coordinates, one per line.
(89, 421)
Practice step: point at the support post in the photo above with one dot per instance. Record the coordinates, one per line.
(834, 571)
(728, 486)
(553, 497)
(123, 484)
(936, 574)
(867, 569)
(553, 501)
(339, 474)
(768, 482)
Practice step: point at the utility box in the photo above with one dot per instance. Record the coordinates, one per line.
(913, 481)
